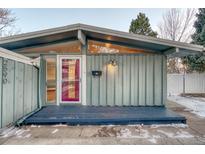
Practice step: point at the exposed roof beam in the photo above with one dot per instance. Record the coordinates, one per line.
(171, 51)
(81, 37)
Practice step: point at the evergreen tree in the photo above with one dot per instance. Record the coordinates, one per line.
(197, 62)
(141, 26)
(199, 25)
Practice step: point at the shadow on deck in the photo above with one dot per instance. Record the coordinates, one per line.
(87, 115)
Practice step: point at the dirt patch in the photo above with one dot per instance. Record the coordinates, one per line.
(193, 95)
(107, 132)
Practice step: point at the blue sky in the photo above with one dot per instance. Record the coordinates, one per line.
(119, 19)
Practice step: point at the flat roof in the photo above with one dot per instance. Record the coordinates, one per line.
(70, 32)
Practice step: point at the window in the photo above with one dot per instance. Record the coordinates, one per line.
(65, 47)
(96, 47)
(51, 79)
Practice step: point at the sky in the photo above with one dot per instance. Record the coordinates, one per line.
(119, 19)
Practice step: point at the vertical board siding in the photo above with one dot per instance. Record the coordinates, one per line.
(18, 90)
(27, 89)
(95, 82)
(89, 78)
(158, 80)
(142, 85)
(118, 82)
(149, 81)
(110, 84)
(126, 80)
(42, 82)
(35, 89)
(135, 81)
(164, 80)
(1, 63)
(8, 92)
(102, 86)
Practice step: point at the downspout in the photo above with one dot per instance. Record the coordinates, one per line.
(39, 83)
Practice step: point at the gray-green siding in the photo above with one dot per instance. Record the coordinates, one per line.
(18, 90)
(137, 80)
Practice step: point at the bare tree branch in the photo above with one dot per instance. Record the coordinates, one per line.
(6, 20)
(177, 24)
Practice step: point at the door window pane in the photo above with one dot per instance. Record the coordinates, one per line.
(51, 79)
(70, 79)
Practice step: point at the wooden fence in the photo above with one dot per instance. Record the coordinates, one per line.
(18, 87)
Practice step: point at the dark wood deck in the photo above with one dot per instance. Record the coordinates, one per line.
(86, 115)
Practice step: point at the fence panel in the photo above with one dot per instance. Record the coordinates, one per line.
(193, 83)
(17, 82)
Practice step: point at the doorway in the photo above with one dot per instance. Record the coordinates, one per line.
(69, 79)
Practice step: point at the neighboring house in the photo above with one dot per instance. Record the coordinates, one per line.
(93, 66)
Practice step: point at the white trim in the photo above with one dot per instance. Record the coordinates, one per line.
(17, 57)
(81, 37)
(84, 72)
(58, 80)
(54, 57)
(59, 77)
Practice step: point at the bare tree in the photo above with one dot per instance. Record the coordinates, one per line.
(177, 25)
(7, 21)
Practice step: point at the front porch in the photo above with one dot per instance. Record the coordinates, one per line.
(90, 115)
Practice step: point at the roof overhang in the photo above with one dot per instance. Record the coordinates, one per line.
(83, 32)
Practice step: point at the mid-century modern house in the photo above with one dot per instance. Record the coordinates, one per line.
(79, 68)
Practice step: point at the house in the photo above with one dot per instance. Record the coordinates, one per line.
(92, 66)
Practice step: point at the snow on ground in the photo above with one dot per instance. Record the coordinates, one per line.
(59, 125)
(55, 131)
(178, 134)
(35, 126)
(14, 131)
(153, 138)
(169, 125)
(195, 105)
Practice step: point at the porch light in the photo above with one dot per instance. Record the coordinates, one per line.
(113, 62)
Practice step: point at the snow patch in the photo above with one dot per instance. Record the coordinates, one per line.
(170, 125)
(170, 135)
(13, 131)
(144, 134)
(35, 126)
(28, 135)
(178, 134)
(153, 140)
(55, 131)
(183, 134)
(194, 105)
(60, 125)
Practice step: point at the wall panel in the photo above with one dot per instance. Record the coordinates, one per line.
(135, 81)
